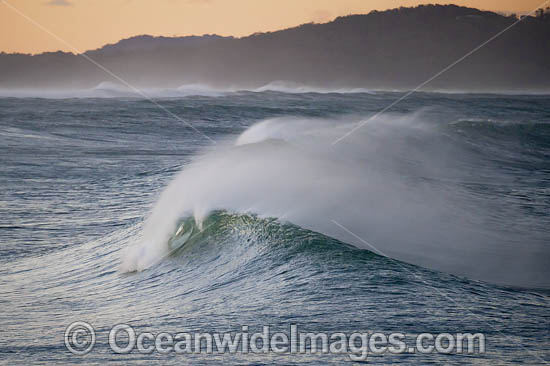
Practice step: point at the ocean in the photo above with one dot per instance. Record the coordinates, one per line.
(230, 211)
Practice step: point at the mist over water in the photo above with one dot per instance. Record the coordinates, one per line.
(113, 212)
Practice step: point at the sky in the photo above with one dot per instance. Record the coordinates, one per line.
(35, 26)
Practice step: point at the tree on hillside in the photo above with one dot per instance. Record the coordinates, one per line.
(543, 14)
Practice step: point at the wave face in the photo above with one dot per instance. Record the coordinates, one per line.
(431, 218)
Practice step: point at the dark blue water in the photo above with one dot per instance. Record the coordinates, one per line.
(458, 189)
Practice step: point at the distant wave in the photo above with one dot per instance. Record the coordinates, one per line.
(291, 87)
(109, 89)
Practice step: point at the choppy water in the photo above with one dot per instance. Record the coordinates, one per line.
(114, 212)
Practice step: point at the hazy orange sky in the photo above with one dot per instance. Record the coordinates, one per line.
(89, 24)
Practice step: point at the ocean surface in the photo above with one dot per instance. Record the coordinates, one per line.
(206, 213)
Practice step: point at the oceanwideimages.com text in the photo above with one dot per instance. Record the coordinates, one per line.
(80, 338)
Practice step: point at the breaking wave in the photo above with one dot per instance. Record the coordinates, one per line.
(407, 187)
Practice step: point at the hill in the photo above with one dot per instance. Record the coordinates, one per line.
(394, 49)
